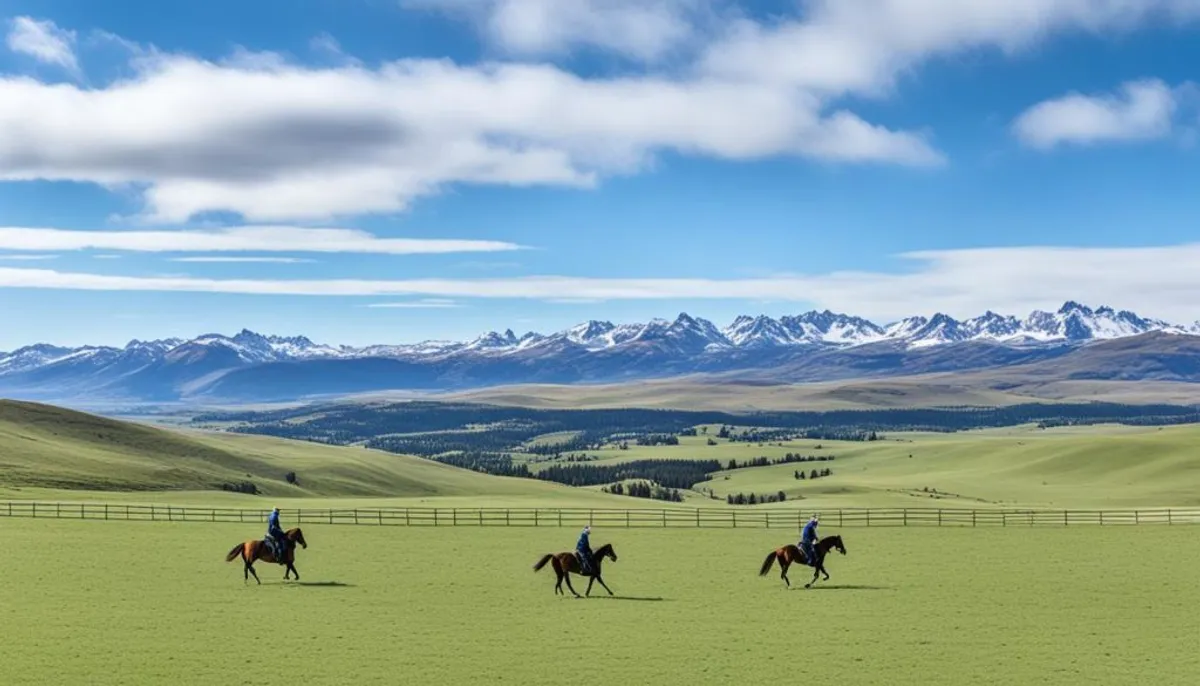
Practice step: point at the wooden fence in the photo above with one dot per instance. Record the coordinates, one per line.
(608, 518)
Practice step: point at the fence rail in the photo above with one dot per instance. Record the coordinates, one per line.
(609, 518)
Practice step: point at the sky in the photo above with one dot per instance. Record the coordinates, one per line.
(390, 171)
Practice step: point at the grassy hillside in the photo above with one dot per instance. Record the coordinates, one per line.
(731, 394)
(46, 447)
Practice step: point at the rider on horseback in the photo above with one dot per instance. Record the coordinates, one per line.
(808, 540)
(583, 550)
(275, 536)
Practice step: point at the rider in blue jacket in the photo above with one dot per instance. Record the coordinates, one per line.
(808, 540)
(276, 535)
(583, 549)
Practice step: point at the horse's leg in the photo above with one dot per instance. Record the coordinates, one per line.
(816, 571)
(601, 580)
(591, 580)
(567, 576)
(296, 574)
(251, 568)
(783, 567)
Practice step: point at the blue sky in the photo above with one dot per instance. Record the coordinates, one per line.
(370, 171)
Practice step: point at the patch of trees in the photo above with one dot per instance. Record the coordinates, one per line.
(240, 487)
(498, 464)
(658, 439)
(291, 478)
(645, 489)
(752, 499)
(786, 459)
(430, 428)
(813, 474)
(667, 473)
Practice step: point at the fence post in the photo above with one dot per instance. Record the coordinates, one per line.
(1101, 517)
(868, 517)
(939, 516)
(435, 516)
(506, 513)
(1137, 517)
(1066, 518)
(356, 515)
(664, 514)
(330, 513)
(627, 519)
(1169, 522)
(734, 519)
(380, 513)
(535, 517)
(904, 516)
(697, 518)
(972, 517)
(57, 510)
(105, 510)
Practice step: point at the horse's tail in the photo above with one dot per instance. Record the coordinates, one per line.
(542, 562)
(766, 567)
(237, 550)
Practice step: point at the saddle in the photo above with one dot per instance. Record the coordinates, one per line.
(585, 565)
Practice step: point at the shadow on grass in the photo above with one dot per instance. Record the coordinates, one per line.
(317, 584)
(845, 587)
(656, 599)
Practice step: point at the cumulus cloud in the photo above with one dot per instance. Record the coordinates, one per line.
(239, 239)
(1140, 110)
(422, 304)
(862, 46)
(238, 260)
(274, 141)
(645, 30)
(44, 41)
(1160, 281)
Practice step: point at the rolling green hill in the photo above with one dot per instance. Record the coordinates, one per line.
(46, 447)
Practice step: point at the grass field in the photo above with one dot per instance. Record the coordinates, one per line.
(47, 451)
(732, 394)
(54, 454)
(144, 603)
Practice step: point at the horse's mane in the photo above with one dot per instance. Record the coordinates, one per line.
(601, 550)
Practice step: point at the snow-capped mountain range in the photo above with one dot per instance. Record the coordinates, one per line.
(231, 366)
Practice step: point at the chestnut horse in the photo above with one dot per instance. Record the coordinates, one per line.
(566, 563)
(259, 550)
(791, 554)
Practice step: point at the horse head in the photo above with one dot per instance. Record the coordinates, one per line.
(297, 536)
(836, 542)
(606, 550)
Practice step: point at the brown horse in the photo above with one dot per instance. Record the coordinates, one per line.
(566, 563)
(259, 550)
(791, 554)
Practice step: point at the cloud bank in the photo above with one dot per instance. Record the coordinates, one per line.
(275, 141)
(240, 239)
(1161, 281)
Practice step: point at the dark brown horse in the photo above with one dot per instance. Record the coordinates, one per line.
(566, 563)
(791, 554)
(258, 549)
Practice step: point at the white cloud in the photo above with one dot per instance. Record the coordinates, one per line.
(275, 260)
(28, 258)
(238, 239)
(1161, 282)
(44, 41)
(645, 30)
(422, 304)
(276, 142)
(862, 46)
(1141, 110)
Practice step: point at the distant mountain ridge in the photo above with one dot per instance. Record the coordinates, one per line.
(252, 366)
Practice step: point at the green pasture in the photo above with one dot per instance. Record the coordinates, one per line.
(150, 603)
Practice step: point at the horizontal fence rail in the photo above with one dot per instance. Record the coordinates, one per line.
(632, 518)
